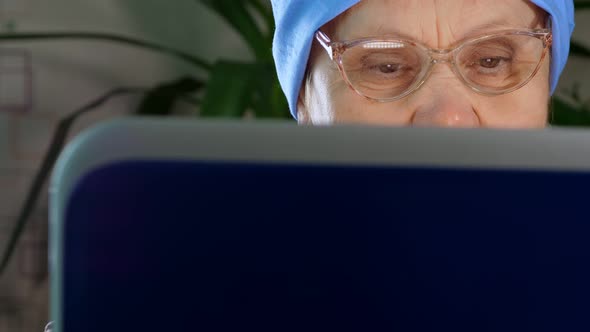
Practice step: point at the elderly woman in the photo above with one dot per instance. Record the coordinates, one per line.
(459, 63)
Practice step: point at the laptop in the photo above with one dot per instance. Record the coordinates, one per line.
(187, 225)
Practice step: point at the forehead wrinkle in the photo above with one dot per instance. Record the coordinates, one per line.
(442, 29)
(433, 22)
(505, 19)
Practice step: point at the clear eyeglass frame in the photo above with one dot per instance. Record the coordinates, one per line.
(336, 49)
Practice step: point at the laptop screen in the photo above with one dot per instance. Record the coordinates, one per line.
(209, 245)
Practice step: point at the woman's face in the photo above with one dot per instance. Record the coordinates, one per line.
(443, 100)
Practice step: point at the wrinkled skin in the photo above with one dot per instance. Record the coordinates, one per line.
(443, 101)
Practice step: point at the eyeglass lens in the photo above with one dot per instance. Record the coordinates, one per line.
(386, 69)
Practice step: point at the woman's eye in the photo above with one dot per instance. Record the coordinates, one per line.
(490, 63)
(384, 64)
(388, 68)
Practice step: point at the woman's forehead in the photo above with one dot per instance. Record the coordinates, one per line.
(438, 21)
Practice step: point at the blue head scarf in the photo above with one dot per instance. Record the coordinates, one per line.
(298, 20)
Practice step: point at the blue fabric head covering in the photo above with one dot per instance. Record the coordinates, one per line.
(298, 20)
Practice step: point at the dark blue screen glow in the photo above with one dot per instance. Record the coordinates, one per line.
(179, 246)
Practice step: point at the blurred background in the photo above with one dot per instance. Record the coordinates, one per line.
(148, 57)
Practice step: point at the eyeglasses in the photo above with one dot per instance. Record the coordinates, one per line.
(390, 69)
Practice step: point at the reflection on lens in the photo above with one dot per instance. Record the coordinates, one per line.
(383, 45)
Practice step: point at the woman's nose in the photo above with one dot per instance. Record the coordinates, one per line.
(446, 113)
(445, 103)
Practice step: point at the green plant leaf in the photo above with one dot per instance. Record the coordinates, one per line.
(565, 114)
(161, 99)
(265, 11)
(33, 36)
(229, 90)
(578, 49)
(581, 5)
(236, 14)
(236, 87)
(268, 99)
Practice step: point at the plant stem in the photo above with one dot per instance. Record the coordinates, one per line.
(193, 60)
(59, 139)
